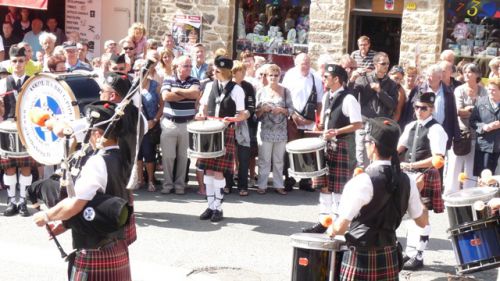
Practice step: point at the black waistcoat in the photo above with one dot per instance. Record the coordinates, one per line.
(376, 224)
(116, 186)
(227, 105)
(334, 117)
(423, 146)
(10, 99)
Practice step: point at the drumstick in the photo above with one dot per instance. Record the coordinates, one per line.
(230, 119)
(8, 93)
(313, 132)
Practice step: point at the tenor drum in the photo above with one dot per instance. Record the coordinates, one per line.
(476, 245)
(206, 139)
(10, 143)
(307, 158)
(316, 257)
(467, 205)
(63, 96)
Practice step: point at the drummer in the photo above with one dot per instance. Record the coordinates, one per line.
(370, 222)
(23, 165)
(222, 98)
(421, 140)
(339, 124)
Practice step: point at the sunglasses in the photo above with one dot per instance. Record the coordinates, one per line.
(422, 108)
(17, 61)
(128, 48)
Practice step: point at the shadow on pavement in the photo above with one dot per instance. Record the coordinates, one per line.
(193, 223)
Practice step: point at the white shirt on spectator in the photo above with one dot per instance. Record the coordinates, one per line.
(300, 89)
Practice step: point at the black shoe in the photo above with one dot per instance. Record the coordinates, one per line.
(11, 210)
(306, 185)
(405, 258)
(207, 214)
(289, 183)
(317, 228)
(23, 210)
(216, 216)
(413, 264)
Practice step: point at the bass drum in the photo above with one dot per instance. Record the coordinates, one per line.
(62, 95)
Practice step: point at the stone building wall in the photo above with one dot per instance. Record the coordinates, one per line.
(329, 21)
(218, 19)
(422, 32)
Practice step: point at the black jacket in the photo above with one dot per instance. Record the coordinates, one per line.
(372, 104)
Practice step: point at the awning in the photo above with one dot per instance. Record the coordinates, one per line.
(32, 4)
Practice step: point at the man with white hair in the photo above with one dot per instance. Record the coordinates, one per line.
(445, 109)
(448, 55)
(448, 79)
(306, 90)
(110, 47)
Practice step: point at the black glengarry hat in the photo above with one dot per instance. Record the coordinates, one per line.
(119, 82)
(426, 97)
(337, 70)
(223, 62)
(117, 58)
(15, 51)
(384, 132)
(104, 109)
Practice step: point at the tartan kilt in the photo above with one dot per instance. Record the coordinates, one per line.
(27, 161)
(338, 169)
(130, 230)
(432, 190)
(370, 265)
(107, 264)
(223, 163)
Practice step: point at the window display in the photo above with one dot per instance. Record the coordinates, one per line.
(273, 26)
(473, 28)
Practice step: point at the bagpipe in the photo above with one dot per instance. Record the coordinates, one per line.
(105, 213)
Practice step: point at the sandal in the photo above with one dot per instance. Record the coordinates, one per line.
(243, 193)
(281, 191)
(261, 191)
(151, 187)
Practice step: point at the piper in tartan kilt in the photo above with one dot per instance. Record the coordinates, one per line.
(14, 83)
(372, 207)
(340, 118)
(223, 99)
(421, 140)
(101, 232)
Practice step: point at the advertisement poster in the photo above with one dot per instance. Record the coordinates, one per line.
(389, 5)
(186, 30)
(84, 17)
(32, 4)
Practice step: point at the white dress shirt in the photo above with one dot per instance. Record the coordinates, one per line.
(437, 136)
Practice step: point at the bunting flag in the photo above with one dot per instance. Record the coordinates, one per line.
(32, 4)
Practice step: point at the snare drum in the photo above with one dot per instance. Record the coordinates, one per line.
(316, 257)
(206, 139)
(476, 245)
(10, 143)
(306, 157)
(460, 204)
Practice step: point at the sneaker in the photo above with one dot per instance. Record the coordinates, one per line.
(413, 264)
(166, 190)
(216, 216)
(180, 191)
(11, 209)
(317, 228)
(207, 214)
(23, 210)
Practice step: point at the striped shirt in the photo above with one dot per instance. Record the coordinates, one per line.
(179, 111)
(364, 62)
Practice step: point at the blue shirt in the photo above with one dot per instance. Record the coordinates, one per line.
(199, 73)
(150, 100)
(183, 110)
(439, 113)
(78, 66)
(32, 39)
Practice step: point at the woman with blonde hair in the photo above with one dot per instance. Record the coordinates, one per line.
(165, 67)
(274, 105)
(494, 67)
(137, 34)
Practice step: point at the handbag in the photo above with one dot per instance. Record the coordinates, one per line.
(309, 111)
(462, 145)
(291, 128)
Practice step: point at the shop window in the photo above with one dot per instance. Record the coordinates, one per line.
(363, 4)
(273, 26)
(472, 28)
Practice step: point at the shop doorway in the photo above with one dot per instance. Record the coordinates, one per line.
(384, 32)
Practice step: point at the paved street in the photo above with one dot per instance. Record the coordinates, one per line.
(251, 243)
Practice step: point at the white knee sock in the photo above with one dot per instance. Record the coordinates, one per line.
(325, 205)
(209, 189)
(24, 182)
(219, 194)
(417, 239)
(335, 204)
(10, 182)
